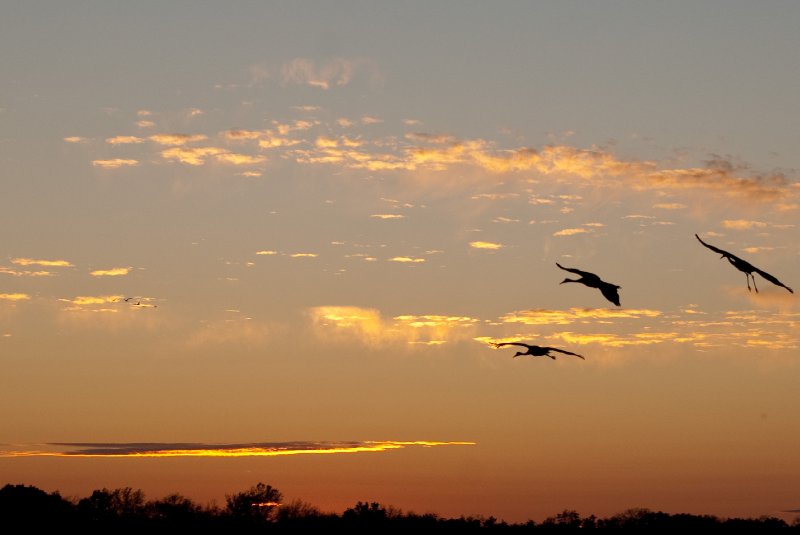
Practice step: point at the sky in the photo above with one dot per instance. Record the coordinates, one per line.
(273, 241)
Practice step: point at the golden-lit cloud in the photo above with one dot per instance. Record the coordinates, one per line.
(124, 140)
(486, 245)
(176, 139)
(252, 449)
(14, 297)
(244, 135)
(266, 252)
(191, 156)
(743, 224)
(368, 326)
(575, 315)
(44, 263)
(406, 260)
(239, 159)
(115, 163)
(75, 139)
(303, 255)
(113, 272)
(145, 124)
(388, 216)
(89, 300)
(571, 231)
(25, 273)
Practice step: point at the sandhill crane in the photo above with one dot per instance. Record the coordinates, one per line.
(747, 268)
(536, 351)
(591, 280)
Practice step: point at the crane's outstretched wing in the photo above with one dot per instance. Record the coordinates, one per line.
(772, 279)
(610, 292)
(715, 249)
(566, 352)
(579, 272)
(501, 344)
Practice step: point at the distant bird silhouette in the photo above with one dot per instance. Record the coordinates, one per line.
(591, 280)
(746, 267)
(536, 351)
(136, 302)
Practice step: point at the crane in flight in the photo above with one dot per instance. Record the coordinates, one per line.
(591, 280)
(745, 267)
(536, 351)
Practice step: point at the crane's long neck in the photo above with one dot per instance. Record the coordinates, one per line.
(569, 280)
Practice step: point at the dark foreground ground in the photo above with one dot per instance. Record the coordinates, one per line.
(27, 509)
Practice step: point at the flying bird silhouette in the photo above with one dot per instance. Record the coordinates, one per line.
(536, 351)
(746, 267)
(591, 280)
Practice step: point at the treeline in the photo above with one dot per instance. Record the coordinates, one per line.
(261, 508)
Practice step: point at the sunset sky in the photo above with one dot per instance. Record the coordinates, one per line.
(325, 212)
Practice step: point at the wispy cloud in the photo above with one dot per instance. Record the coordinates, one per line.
(45, 263)
(336, 72)
(182, 449)
(114, 163)
(369, 327)
(75, 139)
(573, 315)
(15, 297)
(388, 216)
(486, 245)
(177, 139)
(266, 252)
(124, 140)
(25, 273)
(407, 260)
(113, 272)
(303, 255)
(571, 231)
(743, 224)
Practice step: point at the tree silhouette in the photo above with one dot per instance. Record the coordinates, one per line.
(258, 503)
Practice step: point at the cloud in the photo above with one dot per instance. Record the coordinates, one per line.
(75, 139)
(113, 272)
(194, 112)
(14, 297)
(670, 206)
(571, 231)
(368, 326)
(575, 315)
(303, 255)
(743, 224)
(193, 449)
(486, 245)
(368, 119)
(406, 260)
(45, 263)
(25, 273)
(124, 140)
(336, 72)
(89, 300)
(388, 216)
(114, 163)
(266, 252)
(197, 156)
(239, 159)
(176, 139)
(145, 124)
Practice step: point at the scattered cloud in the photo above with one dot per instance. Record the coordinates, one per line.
(45, 263)
(370, 328)
(388, 216)
(266, 252)
(75, 139)
(124, 140)
(406, 260)
(113, 272)
(15, 297)
(571, 231)
(89, 300)
(743, 224)
(486, 245)
(575, 315)
(114, 163)
(176, 139)
(304, 255)
(25, 273)
(145, 124)
(336, 72)
(670, 206)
